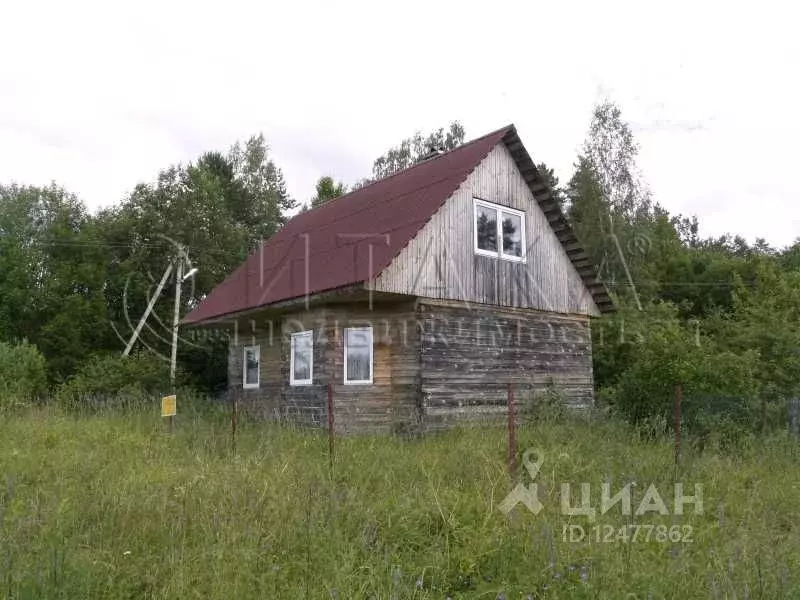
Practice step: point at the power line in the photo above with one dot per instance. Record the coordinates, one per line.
(120, 246)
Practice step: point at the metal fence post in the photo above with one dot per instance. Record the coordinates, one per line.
(512, 433)
(234, 394)
(330, 424)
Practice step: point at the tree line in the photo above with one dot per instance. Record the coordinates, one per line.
(719, 315)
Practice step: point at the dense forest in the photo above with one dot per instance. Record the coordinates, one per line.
(719, 315)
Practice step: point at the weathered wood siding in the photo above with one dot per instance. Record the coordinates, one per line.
(469, 355)
(265, 401)
(305, 405)
(390, 403)
(440, 262)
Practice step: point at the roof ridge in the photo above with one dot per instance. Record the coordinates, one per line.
(507, 128)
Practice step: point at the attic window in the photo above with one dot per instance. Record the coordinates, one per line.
(499, 231)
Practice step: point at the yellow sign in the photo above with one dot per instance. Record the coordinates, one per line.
(168, 406)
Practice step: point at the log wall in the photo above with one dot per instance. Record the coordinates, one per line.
(470, 353)
(435, 363)
(390, 403)
(264, 402)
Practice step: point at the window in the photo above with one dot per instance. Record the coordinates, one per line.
(251, 366)
(301, 367)
(499, 231)
(358, 355)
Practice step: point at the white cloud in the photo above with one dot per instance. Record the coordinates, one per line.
(99, 97)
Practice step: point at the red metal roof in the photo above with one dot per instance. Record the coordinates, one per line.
(346, 241)
(355, 237)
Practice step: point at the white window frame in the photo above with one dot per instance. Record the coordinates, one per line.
(371, 357)
(292, 381)
(245, 385)
(499, 210)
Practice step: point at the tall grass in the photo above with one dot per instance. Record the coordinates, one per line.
(110, 506)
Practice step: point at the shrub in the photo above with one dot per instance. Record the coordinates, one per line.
(112, 381)
(665, 352)
(548, 405)
(23, 374)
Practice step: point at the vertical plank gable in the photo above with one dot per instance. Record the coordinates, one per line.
(440, 261)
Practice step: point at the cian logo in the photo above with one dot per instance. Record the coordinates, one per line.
(592, 505)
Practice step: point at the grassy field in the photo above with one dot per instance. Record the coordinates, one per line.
(112, 507)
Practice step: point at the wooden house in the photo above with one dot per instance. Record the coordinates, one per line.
(418, 298)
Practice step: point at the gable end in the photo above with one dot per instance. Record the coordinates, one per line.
(558, 222)
(443, 260)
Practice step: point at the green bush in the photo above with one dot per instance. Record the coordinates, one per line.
(547, 405)
(665, 352)
(115, 381)
(23, 374)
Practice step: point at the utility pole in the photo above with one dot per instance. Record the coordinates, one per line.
(168, 403)
(178, 265)
(176, 318)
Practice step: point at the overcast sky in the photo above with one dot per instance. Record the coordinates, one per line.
(99, 97)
